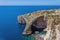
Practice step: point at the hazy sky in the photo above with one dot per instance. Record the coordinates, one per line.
(29, 2)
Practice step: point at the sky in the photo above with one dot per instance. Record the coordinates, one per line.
(29, 2)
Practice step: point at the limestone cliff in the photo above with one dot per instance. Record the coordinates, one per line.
(53, 22)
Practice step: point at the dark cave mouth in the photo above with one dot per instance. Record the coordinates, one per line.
(39, 25)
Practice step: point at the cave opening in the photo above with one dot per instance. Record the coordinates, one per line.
(39, 24)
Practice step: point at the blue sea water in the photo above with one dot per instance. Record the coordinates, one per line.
(9, 27)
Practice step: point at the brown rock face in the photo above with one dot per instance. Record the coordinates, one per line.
(52, 23)
(21, 20)
(39, 24)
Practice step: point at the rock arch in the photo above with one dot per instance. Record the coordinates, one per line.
(49, 15)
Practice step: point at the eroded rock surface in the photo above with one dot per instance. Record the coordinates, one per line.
(52, 18)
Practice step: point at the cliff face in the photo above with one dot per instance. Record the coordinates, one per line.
(52, 18)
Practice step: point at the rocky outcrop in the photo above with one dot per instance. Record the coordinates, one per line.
(53, 22)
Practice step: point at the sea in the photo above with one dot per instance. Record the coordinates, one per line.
(10, 29)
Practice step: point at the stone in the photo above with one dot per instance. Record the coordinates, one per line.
(21, 20)
(52, 18)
